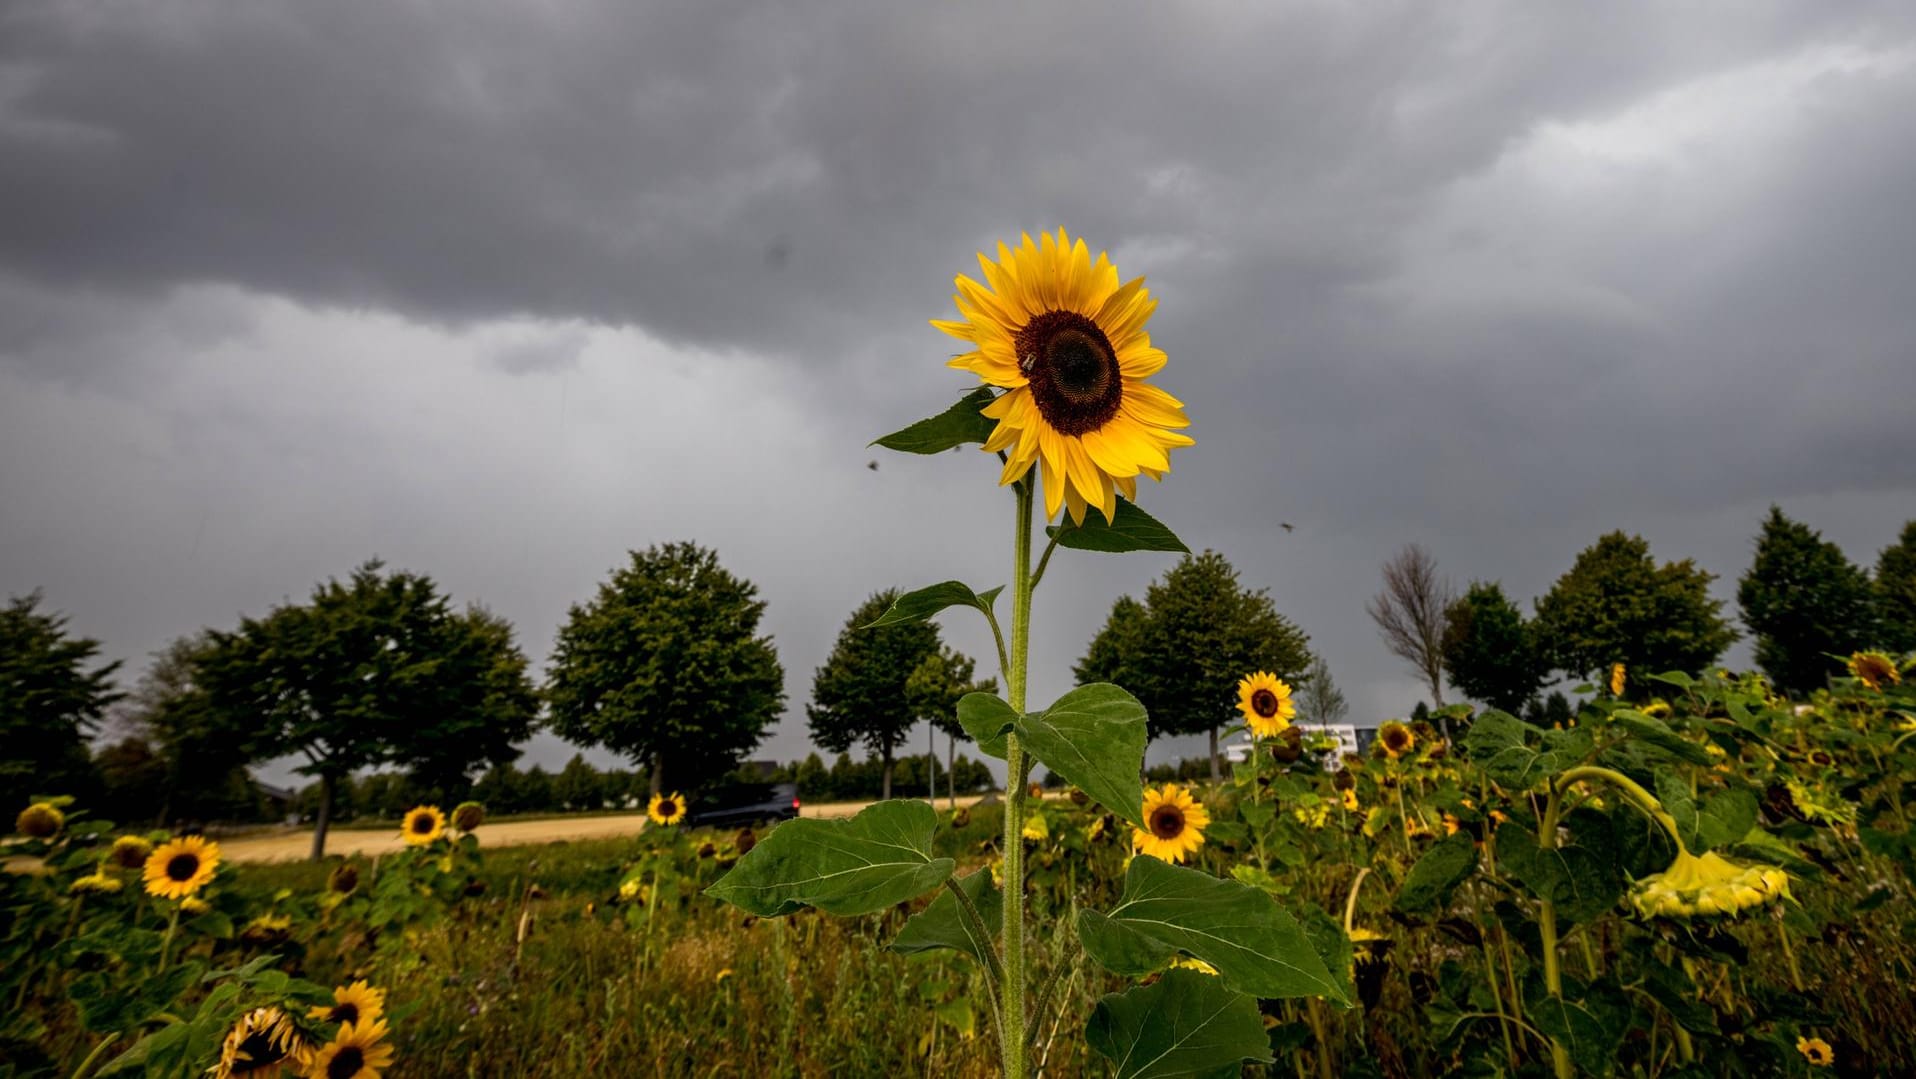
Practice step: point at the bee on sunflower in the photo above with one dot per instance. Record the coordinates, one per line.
(358, 1051)
(181, 867)
(1177, 822)
(666, 809)
(423, 824)
(263, 1042)
(1264, 699)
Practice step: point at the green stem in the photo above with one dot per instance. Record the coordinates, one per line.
(1547, 926)
(1789, 953)
(86, 1066)
(166, 944)
(975, 926)
(1011, 994)
(1629, 787)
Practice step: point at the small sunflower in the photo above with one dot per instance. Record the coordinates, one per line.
(666, 808)
(95, 883)
(468, 815)
(1265, 700)
(1350, 801)
(131, 851)
(263, 1042)
(1176, 824)
(1066, 342)
(1873, 669)
(358, 1051)
(1816, 1051)
(356, 1004)
(423, 825)
(343, 879)
(181, 867)
(1616, 679)
(1396, 739)
(267, 930)
(41, 820)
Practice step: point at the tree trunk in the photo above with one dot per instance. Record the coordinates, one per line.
(325, 816)
(658, 773)
(887, 783)
(1215, 777)
(931, 766)
(951, 771)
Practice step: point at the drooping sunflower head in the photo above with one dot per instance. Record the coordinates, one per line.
(131, 851)
(358, 1051)
(1816, 1051)
(422, 825)
(666, 808)
(356, 1004)
(1396, 739)
(41, 820)
(1265, 701)
(1708, 885)
(1174, 824)
(468, 815)
(263, 1042)
(1874, 669)
(181, 867)
(1066, 341)
(1616, 679)
(95, 883)
(267, 930)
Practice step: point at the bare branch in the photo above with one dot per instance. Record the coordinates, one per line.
(1409, 613)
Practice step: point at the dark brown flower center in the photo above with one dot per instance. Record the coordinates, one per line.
(260, 1053)
(422, 824)
(181, 867)
(668, 807)
(1167, 822)
(1073, 371)
(345, 1063)
(1396, 738)
(1264, 703)
(345, 1012)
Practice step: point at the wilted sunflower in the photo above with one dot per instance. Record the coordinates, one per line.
(1816, 1051)
(423, 825)
(666, 808)
(95, 883)
(41, 820)
(1395, 738)
(744, 841)
(358, 1051)
(1067, 343)
(263, 1042)
(1873, 669)
(1616, 679)
(468, 815)
(1175, 821)
(1265, 700)
(267, 930)
(180, 867)
(358, 1003)
(1708, 885)
(343, 879)
(131, 851)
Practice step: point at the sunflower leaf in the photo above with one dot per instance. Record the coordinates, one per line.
(1256, 946)
(1094, 737)
(1185, 1024)
(921, 605)
(856, 865)
(954, 427)
(944, 925)
(1130, 529)
(1437, 874)
(986, 718)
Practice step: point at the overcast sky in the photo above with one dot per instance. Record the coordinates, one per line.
(498, 292)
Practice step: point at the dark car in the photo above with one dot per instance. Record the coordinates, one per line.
(740, 803)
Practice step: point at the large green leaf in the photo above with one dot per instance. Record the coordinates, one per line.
(986, 717)
(1500, 744)
(955, 426)
(1094, 737)
(1185, 1024)
(944, 925)
(1583, 881)
(1655, 732)
(921, 605)
(1255, 944)
(1437, 874)
(856, 865)
(1130, 529)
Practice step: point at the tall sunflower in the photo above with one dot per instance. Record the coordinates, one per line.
(358, 1003)
(1066, 342)
(358, 1051)
(666, 808)
(178, 868)
(423, 825)
(1175, 821)
(1395, 738)
(263, 1042)
(1265, 700)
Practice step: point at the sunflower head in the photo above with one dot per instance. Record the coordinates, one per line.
(1174, 824)
(468, 815)
(1616, 679)
(41, 820)
(1395, 739)
(178, 868)
(1708, 885)
(1036, 827)
(1265, 701)
(95, 883)
(343, 879)
(358, 1051)
(355, 1004)
(263, 1042)
(1066, 342)
(1816, 1051)
(131, 851)
(666, 808)
(422, 825)
(267, 930)
(744, 841)
(1350, 800)
(1874, 669)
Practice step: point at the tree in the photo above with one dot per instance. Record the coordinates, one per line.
(1319, 701)
(1896, 593)
(579, 785)
(1616, 605)
(52, 696)
(666, 666)
(1409, 613)
(203, 751)
(861, 693)
(934, 689)
(1182, 651)
(378, 669)
(1489, 649)
(1803, 599)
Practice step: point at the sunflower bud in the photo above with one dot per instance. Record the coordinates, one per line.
(41, 820)
(131, 851)
(468, 815)
(744, 841)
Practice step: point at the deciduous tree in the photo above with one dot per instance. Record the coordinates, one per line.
(1409, 613)
(1617, 605)
(862, 692)
(53, 695)
(1896, 593)
(1490, 650)
(1803, 600)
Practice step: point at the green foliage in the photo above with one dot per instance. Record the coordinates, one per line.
(666, 666)
(956, 426)
(202, 751)
(1519, 756)
(1616, 605)
(1437, 874)
(856, 865)
(1130, 529)
(1895, 587)
(1185, 1024)
(1804, 600)
(862, 691)
(944, 925)
(1489, 648)
(1094, 737)
(50, 701)
(925, 603)
(935, 686)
